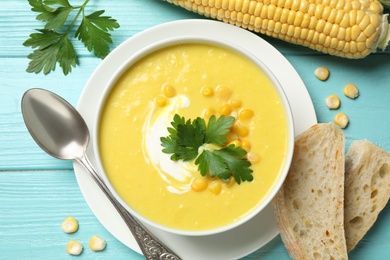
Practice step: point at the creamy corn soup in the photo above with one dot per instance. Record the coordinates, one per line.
(192, 80)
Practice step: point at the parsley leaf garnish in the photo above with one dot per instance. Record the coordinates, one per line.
(53, 45)
(187, 138)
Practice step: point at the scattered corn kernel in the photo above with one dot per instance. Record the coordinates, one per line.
(70, 225)
(235, 103)
(237, 143)
(231, 182)
(333, 102)
(207, 91)
(322, 73)
(168, 90)
(231, 136)
(341, 119)
(246, 114)
(246, 145)
(211, 178)
(253, 157)
(160, 101)
(208, 112)
(74, 247)
(241, 130)
(234, 114)
(223, 92)
(199, 184)
(351, 91)
(215, 187)
(97, 243)
(225, 110)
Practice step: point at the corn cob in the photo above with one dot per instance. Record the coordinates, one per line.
(345, 28)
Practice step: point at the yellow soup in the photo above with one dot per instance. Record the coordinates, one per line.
(192, 80)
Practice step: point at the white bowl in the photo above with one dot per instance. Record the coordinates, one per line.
(201, 40)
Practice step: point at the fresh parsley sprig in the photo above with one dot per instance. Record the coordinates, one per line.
(53, 44)
(189, 138)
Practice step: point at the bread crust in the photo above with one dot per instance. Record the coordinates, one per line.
(309, 207)
(367, 188)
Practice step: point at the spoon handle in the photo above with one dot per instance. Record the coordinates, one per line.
(151, 247)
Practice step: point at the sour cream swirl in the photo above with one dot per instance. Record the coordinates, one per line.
(177, 174)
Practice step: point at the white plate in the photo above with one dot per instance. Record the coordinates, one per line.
(237, 242)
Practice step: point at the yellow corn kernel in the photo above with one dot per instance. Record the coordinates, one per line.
(341, 119)
(160, 101)
(97, 243)
(215, 187)
(235, 103)
(322, 73)
(253, 157)
(199, 184)
(246, 145)
(246, 114)
(333, 102)
(223, 92)
(168, 90)
(211, 178)
(74, 247)
(225, 110)
(230, 183)
(208, 112)
(233, 114)
(287, 19)
(241, 130)
(351, 91)
(207, 91)
(236, 143)
(231, 136)
(70, 225)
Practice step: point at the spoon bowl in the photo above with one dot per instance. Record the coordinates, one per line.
(59, 129)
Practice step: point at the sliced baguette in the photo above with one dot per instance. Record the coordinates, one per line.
(309, 207)
(367, 188)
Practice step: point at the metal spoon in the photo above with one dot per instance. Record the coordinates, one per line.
(60, 131)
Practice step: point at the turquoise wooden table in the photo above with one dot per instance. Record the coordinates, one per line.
(37, 192)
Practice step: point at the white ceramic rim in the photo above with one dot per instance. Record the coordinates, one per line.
(174, 41)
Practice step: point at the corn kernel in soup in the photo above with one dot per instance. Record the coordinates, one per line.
(203, 80)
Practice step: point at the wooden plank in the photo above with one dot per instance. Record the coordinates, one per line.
(366, 112)
(18, 150)
(32, 208)
(19, 22)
